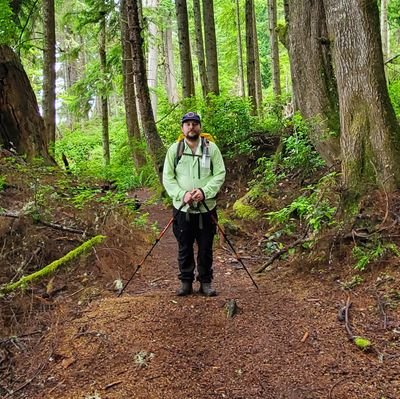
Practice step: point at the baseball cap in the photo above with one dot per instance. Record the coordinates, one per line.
(191, 116)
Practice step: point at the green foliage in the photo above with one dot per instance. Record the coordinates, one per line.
(7, 25)
(394, 92)
(371, 252)
(3, 183)
(227, 118)
(83, 149)
(297, 155)
(298, 152)
(316, 209)
(266, 177)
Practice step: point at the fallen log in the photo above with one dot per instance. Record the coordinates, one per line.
(52, 267)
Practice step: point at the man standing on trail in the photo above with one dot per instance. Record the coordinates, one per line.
(194, 172)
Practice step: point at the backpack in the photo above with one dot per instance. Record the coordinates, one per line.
(205, 139)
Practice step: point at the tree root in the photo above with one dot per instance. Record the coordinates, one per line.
(52, 267)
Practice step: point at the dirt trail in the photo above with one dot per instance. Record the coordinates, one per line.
(285, 342)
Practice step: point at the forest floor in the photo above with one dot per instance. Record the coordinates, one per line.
(72, 337)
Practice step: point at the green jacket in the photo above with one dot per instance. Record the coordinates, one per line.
(192, 171)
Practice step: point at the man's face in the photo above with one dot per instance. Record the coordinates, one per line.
(191, 130)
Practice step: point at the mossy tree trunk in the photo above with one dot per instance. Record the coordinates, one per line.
(369, 131)
(314, 85)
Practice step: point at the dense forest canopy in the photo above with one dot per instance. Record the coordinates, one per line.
(111, 87)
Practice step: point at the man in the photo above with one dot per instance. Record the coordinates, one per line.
(194, 172)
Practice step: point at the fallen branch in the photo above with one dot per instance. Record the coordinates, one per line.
(49, 269)
(15, 215)
(62, 227)
(346, 319)
(276, 255)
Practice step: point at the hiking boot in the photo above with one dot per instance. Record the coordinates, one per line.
(186, 288)
(207, 290)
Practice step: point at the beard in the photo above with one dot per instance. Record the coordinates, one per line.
(192, 136)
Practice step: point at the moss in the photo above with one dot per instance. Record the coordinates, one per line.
(52, 267)
(244, 210)
(362, 343)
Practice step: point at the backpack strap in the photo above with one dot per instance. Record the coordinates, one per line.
(181, 147)
(179, 151)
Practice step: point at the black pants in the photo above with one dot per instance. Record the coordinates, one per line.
(188, 229)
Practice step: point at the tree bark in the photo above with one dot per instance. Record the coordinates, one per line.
(251, 68)
(314, 85)
(169, 66)
(104, 99)
(273, 44)
(187, 77)
(210, 46)
(200, 47)
(369, 130)
(240, 51)
(257, 66)
(152, 56)
(21, 126)
(49, 73)
(385, 29)
(131, 116)
(154, 143)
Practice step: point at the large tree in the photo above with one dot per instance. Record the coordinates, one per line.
(188, 89)
(21, 126)
(169, 66)
(131, 115)
(152, 56)
(104, 95)
(250, 59)
(49, 72)
(154, 143)
(370, 135)
(200, 46)
(210, 46)
(274, 49)
(314, 85)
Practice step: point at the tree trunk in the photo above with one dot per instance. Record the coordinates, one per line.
(251, 68)
(210, 46)
(154, 143)
(369, 130)
(132, 123)
(169, 66)
(200, 47)
(49, 73)
(240, 51)
(314, 85)
(257, 66)
(273, 44)
(21, 126)
(104, 99)
(385, 29)
(152, 57)
(184, 49)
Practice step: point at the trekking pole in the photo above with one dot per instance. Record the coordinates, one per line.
(149, 252)
(229, 243)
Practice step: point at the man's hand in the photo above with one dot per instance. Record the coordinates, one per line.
(197, 195)
(188, 198)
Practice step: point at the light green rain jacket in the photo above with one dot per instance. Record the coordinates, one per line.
(194, 172)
